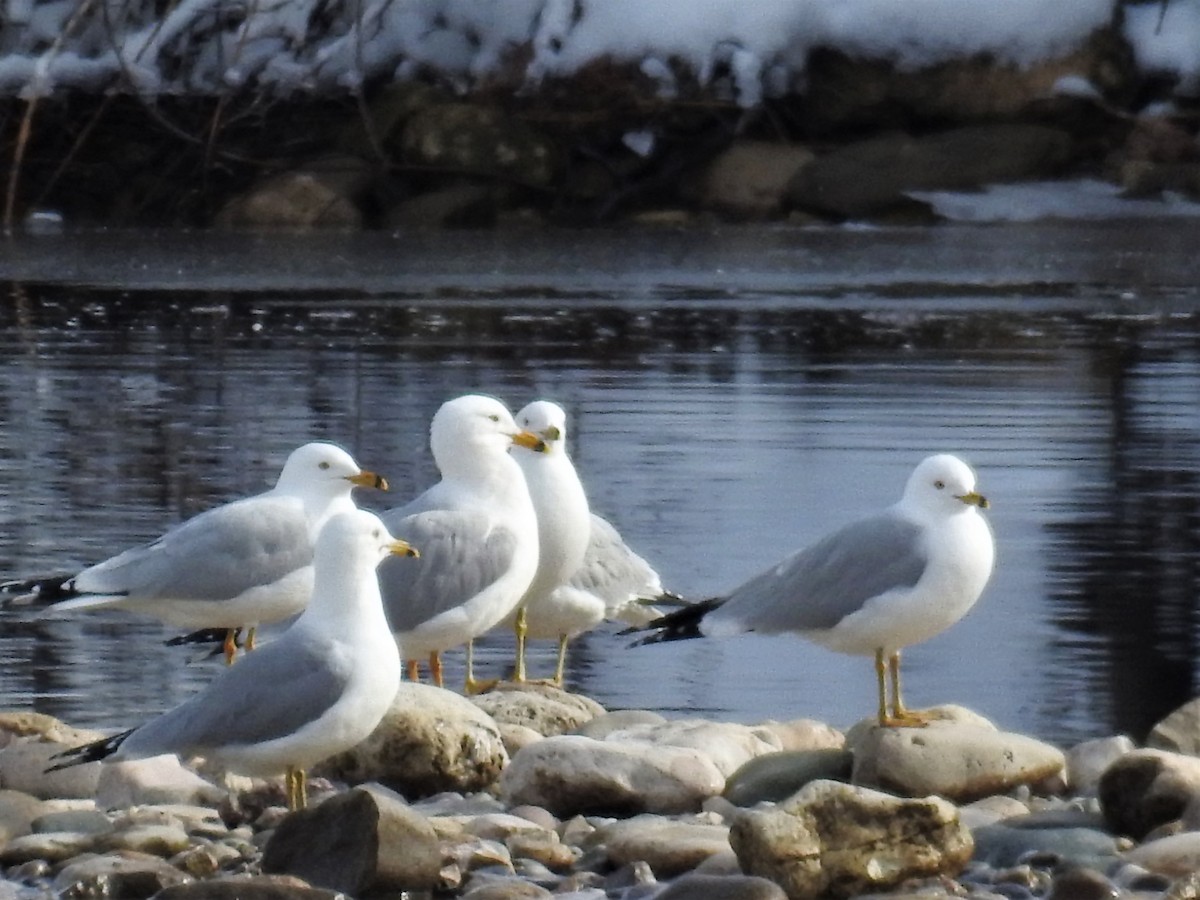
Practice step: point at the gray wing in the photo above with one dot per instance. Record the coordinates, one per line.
(270, 693)
(817, 587)
(213, 556)
(612, 571)
(461, 554)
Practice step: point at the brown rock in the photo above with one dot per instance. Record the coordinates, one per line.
(247, 888)
(366, 839)
(1145, 789)
(431, 740)
(546, 709)
(872, 177)
(299, 201)
(833, 839)
(670, 847)
(748, 180)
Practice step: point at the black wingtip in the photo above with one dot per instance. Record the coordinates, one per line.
(39, 591)
(86, 753)
(205, 636)
(678, 625)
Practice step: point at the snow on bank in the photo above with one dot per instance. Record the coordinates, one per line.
(1053, 200)
(754, 48)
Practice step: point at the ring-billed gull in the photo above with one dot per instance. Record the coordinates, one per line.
(477, 532)
(319, 689)
(875, 586)
(563, 520)
(613, 583)
(233, 566)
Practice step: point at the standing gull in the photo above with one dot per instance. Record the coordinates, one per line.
(233, 566)
(613, 583)
(563, 523)
(873, 587)
(477, 532)
(317, 690)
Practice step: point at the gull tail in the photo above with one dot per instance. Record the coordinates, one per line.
(93, 752)
(679, 625)
(37, 591)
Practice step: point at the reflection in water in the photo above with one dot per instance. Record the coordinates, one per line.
(720, 432)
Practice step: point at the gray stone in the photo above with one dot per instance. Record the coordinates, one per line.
(1012, 841)
(54, 847)
(668, 846)
(154, 840)
(1175, 855)
(1087, 761)
(546, 709)
(721, 887)
(18, 812)
(24, 761)
(247, 888)
(1145, 789)
(776, 776)
(728, 744)
(431, 740)
(366, 839)
(1179, 732)
(117, 876)
(603, 725)
(84, 821)
(1082, 884)
(958, 760)
(155, 780)
(569, 774)
(455, 206)
(840, 840)
(506, 889)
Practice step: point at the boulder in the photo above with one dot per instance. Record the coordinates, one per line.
(618, 720)
(292, 201)
(1069, 839)
(1147, 788)
(116, 875)
(1175, 855)
(27, 743)
(569, 774)
(748, 180)
(247, 888)
(839, 840)
(721, 887)
(1179, 732)
(430, 740)
(874, 176)
(157, 779)
(960, 760)
(776, 776)
(728, 744)
(1087, 761)
(669, 846)
(366, 839)
(18, 812)
(546, 709)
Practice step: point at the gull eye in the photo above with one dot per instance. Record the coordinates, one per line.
(323, 465)
(494, 417)
(940, 485)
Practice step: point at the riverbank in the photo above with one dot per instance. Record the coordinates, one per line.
(533, 792)
(541, 120)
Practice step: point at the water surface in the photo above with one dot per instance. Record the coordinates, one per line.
(734, 394)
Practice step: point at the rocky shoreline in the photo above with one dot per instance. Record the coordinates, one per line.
(859, 138)
(530, 792)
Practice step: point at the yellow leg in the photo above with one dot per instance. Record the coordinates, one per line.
(296, 783)
(230, 645)
(473, 685)
(520, 628)
(902, 716)
(413, 670)
(561, 665)
(250, 637)
(435, 668)
(881, 677)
